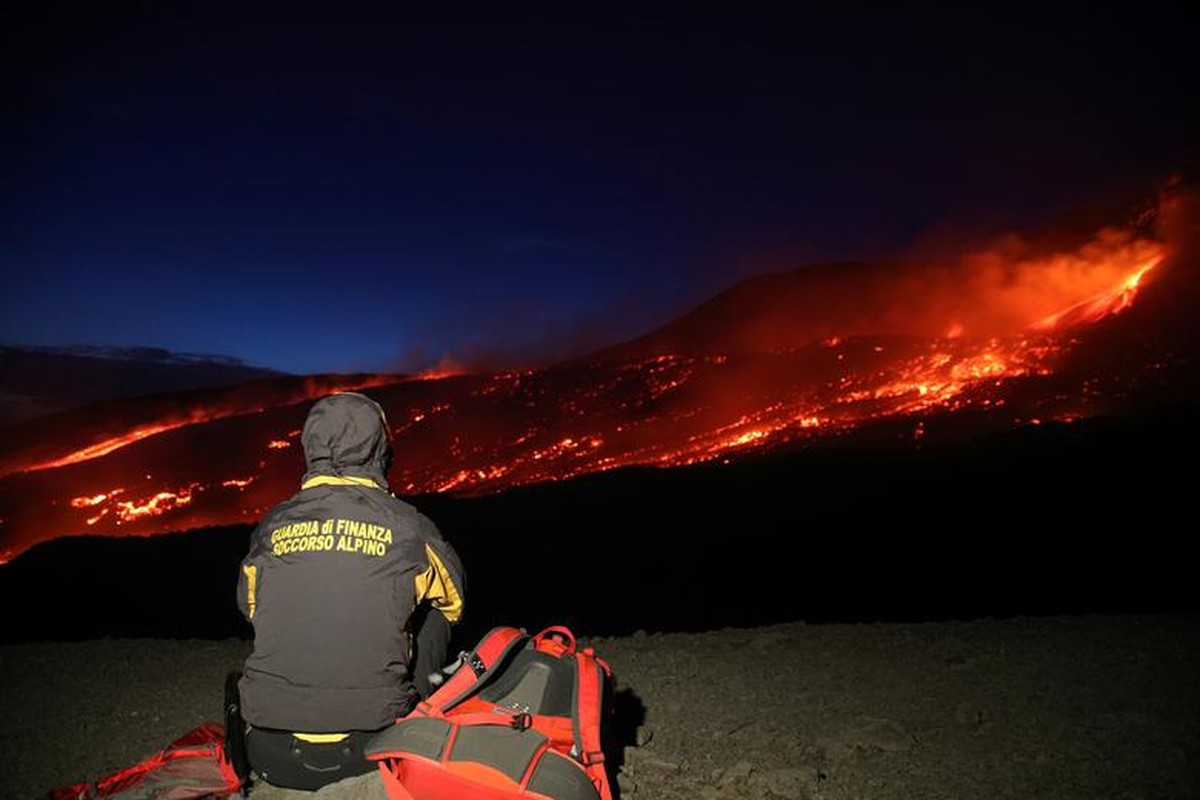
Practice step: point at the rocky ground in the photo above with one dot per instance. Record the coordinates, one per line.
(1084, 707)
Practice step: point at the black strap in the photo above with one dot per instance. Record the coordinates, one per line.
(235, 731)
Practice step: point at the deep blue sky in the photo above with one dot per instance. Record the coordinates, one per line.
(365, 190)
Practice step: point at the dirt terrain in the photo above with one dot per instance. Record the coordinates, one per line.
(1083, 707)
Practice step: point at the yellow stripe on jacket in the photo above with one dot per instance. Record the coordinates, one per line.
(251, 573)
(436, 586)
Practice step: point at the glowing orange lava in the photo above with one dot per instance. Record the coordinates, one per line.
(1100, 305)
(311, 389)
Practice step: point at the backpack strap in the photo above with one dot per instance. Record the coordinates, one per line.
(556, 640)
(492, 649)
(592, 675)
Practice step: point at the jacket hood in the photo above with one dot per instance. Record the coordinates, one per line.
(346, 435)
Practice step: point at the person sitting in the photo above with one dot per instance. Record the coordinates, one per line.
(352, 594)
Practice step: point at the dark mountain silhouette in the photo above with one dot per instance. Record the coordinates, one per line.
(38, 381)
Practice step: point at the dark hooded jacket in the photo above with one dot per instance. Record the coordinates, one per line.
(331, 580)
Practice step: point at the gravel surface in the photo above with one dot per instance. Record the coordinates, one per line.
(1085, 707)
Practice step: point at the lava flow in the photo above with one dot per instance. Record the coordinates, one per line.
(896, 351)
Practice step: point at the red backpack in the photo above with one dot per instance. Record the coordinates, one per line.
(522, 718)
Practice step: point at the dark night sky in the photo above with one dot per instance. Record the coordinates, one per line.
(356, 189)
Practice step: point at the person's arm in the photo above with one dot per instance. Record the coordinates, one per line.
(440, 601)
(248, 578)
(430, 633)
(443, 583)
(247, 590)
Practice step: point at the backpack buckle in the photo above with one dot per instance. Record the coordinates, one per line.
(521, 721)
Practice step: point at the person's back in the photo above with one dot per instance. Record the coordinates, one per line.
(351, 593)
